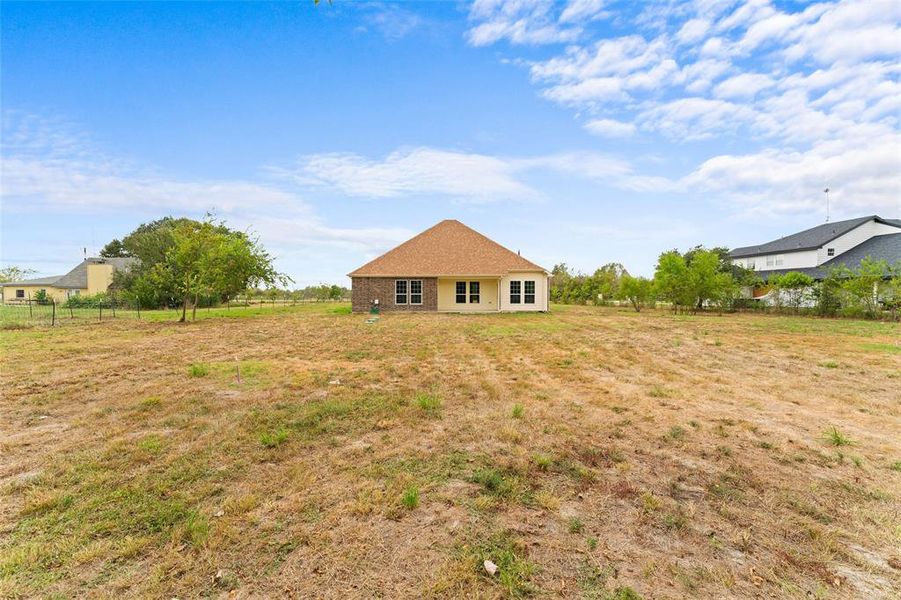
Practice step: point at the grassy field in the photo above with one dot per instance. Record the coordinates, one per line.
(588, 453)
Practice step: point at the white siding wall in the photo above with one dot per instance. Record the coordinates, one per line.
(856, 236)
(541, 289)
(790, 260)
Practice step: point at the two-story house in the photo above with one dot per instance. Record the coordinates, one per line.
(816, 250)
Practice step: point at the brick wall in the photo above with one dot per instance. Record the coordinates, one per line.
(366, 289)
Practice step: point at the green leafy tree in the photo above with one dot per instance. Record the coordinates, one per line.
(671, 280)
(793, 288)
(114, 249)
(866, 284)
(639, 291)
(14, 273)
(827, 293)
(182, 260)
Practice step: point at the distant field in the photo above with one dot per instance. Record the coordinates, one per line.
(589, 453)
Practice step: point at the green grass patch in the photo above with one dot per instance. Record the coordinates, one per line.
(410, 498)
(518, 411)
(274, 439)
(199, 370)
(877, 347)
(429, 404)
(835, 437)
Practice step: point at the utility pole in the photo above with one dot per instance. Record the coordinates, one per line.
(826, 191)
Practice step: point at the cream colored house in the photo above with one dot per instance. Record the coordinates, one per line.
(450, 268)
(92, 276)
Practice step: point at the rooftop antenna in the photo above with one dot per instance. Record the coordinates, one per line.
(826, 191)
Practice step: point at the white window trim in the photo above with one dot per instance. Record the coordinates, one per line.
(406, 292)
(410, 292)
(534, 293)
(465, 293)
(518, 294)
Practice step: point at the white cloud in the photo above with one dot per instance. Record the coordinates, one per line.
(49, 166)
(863, 179)
(693, 30)
(462, 176)
(745, 85)
(580, 10)
(793, 85)
(519, 21)
(473, 177)
(610, 128)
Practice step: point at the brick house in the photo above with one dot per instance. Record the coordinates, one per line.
(450, 268)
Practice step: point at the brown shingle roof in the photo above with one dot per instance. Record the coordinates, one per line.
(448, 248)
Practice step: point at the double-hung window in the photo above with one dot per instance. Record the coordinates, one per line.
(515, 292)
(474, 296)
(528, 296)
(408, 291)
(415, 291)
(460, 292)
(779, 260)
(769, 260)
(20, 293)
(400, 291)
(830, 251)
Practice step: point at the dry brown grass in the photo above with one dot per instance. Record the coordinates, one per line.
(671, 456)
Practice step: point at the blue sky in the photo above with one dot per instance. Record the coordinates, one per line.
(583, 132)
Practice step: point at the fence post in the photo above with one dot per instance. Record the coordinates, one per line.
(30, 314)
(101, 310)
(138, 308)
(71, 314)
(53, 314)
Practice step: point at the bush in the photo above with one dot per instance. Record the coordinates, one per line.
(94, 301)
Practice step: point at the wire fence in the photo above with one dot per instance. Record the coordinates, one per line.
(30, 313)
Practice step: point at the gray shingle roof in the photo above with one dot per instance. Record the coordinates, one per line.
(77, 278)
(809, 239)
(881, 247)
(38, 281)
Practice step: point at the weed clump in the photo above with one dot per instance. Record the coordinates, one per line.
(837, 438)
(199, 370)
(274, 439)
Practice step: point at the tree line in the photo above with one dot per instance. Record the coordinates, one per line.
(703, 278)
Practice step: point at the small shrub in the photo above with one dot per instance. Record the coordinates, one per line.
(657, 391)
(543, 460)
(151, 444)
(410, 499)
(829, 364)
(575, 525)
(429, 404)
(274, 439)
(518, 411)
(676, 432)
(149, 403)
(592, 543)
(199, 370)
(836, 437)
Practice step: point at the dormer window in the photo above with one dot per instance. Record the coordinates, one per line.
(830, 251)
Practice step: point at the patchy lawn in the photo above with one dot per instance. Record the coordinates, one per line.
(588, 453)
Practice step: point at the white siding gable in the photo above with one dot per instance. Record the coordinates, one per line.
(856, 236)
(790, 260)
